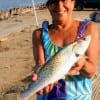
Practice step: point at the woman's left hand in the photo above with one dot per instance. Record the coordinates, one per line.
(77, 67)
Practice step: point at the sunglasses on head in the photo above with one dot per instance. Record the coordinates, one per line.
(50, 2)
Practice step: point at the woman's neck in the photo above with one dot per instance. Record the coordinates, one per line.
(63, 25)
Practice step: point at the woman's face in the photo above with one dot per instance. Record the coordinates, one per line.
(61, 10)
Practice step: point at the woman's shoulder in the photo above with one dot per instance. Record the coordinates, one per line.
(91, 28)
(36, 33)
(91, 25)
(36, 40)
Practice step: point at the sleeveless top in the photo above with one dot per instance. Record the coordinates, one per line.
(76, 87)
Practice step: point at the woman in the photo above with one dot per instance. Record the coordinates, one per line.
(51, 38)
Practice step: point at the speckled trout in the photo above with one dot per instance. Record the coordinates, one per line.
(58, 66)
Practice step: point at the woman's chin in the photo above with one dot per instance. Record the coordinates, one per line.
(60, 20)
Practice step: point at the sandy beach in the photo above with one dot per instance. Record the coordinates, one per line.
(16, 57)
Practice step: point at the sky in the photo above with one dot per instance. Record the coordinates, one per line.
(7, 4)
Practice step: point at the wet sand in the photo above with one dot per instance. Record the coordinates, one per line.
(16, 57)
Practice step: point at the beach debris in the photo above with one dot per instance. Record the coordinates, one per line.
(18, 20)
(3, 49)
(3, 39)
(4, 15)
(57, 67)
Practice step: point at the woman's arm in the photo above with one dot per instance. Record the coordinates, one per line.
(39, 58)
(38, 51)
(88, 66)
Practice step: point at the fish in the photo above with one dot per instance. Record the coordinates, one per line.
(58, 66)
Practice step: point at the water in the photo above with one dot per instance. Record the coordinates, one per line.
(8, 4)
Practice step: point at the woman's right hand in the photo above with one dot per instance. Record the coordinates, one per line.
(46, 89)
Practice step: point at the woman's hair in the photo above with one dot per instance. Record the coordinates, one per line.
(48, 2)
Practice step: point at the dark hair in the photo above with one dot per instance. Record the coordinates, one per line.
(47, 3)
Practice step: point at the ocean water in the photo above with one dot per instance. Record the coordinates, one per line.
(8, 4)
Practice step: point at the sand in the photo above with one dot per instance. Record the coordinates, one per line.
(16, 57)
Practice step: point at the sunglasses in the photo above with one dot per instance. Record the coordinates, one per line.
(50, 2)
